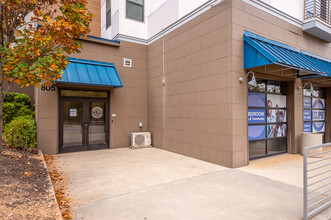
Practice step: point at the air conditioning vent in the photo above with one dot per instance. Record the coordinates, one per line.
(127, 62)
(140, 140)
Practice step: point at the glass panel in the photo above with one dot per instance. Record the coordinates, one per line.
(276, 101)
(256, 99)
(78, 93)
(318, 103)
(140, 2)
(256, 116)
(276, 130)
(72, 123)
(307, 127)
(306, 102)
(276, 87)
(97, 128)
(318, 115)
(256, 132)
(108, 4)
(320, 92)
(134, 11)
(260, 85)
(306, 115)
(276, 115)
(318, 127)
(108, 19)
(256, 149)
(276, 145)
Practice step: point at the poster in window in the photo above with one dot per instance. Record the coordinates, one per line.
(318, 127)
(73, 112)
(273, 88)
(307, 127)
(256, 99)
(306, 115)
(256, 132)
(306, 102)
(276, 115)
(276, 130)
(318, 115)
(256, 116)
(276, 101)
(318, 103)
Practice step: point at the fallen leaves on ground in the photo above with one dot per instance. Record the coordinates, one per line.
(62, 201)
(24, 187)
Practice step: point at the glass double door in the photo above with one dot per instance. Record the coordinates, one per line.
(83, 124)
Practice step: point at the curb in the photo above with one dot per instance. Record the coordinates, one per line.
(58, 214)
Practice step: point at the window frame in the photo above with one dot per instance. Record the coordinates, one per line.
(108, 14)
(311, 121)
(137, 4)
(267, 140)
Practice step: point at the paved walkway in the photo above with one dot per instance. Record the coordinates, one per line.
(156, 184)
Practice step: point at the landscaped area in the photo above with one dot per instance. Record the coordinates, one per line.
(25, 188)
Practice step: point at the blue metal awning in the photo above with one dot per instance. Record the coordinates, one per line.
(87, 72)
(260, 51)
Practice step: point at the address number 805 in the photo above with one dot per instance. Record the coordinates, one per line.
(48, 88)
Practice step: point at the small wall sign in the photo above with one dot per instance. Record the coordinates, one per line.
(73, 112)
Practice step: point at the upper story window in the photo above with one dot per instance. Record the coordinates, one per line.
(135, 9)
(108, 13)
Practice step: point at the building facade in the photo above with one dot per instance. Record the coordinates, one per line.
(175, 67)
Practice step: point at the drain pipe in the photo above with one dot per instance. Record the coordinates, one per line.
(163, 66)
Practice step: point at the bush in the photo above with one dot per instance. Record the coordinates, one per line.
(15, 105)
(20, 133)
(9, 112)
(22, 100)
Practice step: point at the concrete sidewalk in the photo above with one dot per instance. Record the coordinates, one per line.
(156, 184)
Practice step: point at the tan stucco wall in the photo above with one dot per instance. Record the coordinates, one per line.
(46, 106)
(202, 109)
(192, 113)
(128, 103)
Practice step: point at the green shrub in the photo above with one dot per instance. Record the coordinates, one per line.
(15, 105)
(22, 100)
(9, 112)
(24, 111)
(20, 133)
(10, 97)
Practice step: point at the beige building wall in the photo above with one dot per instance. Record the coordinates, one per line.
(191, 114)
(94, 6)
(128, 103)
(202, 109)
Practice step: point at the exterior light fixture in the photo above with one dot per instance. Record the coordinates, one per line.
(252, 82)
(311, 89)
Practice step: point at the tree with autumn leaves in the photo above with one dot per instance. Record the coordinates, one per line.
(35, 38)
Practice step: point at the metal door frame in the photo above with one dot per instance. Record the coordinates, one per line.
(85, 105)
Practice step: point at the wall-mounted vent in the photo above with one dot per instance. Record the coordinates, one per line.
(127, 62)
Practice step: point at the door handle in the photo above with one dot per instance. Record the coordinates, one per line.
(85, 125)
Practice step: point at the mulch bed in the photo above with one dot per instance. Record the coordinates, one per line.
(25, 190)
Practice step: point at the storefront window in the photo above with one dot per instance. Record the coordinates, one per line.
(267, 118)
(314, 112)
(79, 93)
